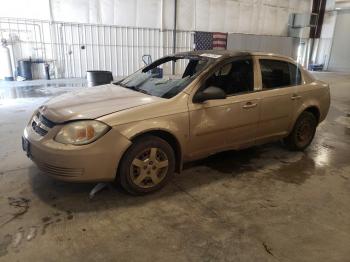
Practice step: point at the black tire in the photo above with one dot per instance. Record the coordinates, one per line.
(140, 145)
(297, 141)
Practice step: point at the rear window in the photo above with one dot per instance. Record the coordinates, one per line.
(275, 73)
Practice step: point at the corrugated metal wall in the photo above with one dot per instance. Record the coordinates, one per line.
(73, 48)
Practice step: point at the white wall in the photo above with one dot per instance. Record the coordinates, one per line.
(275, 44)
(267, 17)
(340, 55)
(323, 48)
(35, 9)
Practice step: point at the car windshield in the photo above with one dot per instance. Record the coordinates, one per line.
(157, 79)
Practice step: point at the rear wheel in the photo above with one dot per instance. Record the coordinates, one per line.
(303, 132)
(147, 165)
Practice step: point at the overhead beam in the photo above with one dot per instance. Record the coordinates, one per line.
(318, 8)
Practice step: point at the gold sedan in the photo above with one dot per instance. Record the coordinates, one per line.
(141, 130)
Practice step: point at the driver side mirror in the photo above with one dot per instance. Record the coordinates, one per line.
(210, 93)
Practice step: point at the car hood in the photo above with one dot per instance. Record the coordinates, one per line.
(93, 102)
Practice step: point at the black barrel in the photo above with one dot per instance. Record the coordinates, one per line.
(97, 77)
(47, 71)
(25, 69)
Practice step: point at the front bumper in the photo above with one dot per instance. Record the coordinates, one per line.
(93, 162)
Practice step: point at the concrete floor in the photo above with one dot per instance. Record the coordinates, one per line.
(260, 204)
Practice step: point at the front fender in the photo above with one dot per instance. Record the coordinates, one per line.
(176, 126)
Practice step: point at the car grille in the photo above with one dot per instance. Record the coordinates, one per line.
(58, 171)
(41, 125)
(38, 129)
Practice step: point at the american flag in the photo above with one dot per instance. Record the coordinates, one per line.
(210, 40)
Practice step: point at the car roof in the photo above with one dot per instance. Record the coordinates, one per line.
(232, 53)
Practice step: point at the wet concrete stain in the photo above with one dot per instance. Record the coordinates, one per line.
(15, 240)
(295, 173)
(19, 202)
(267, 248)
(4, 244)
(19, 205)
(44, 227)
(228, 162)
(46, 219)
(328, 146)
(69, 214)
(283, 166)
(39, 90)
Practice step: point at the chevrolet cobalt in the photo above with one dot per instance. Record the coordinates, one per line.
(141, 130)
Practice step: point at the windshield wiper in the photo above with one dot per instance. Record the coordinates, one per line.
(126, 86)
(135, 89)
(121, 84)
(142, 91)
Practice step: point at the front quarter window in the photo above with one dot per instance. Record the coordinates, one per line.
(157, 79)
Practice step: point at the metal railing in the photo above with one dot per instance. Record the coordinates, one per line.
(73, 48)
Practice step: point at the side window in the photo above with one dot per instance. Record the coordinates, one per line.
(275, 73)
(235, 77)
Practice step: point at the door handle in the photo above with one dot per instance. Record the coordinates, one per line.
(249, 105)
(295, 97)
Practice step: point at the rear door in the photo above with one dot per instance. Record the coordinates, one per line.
(278, 97)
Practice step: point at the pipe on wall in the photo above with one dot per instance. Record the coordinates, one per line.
(161, 15)
(318, 8)
(174, 35)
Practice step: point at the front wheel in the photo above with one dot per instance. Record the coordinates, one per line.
(147, 165)
(302, 133)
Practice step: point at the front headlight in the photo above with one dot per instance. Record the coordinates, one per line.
(81, 132)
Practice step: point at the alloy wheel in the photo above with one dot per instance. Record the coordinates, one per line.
(149, 167)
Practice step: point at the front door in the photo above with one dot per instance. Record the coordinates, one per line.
(217, 125)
